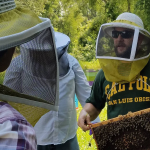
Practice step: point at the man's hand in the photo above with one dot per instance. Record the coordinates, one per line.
(87, 114)
(84, 120)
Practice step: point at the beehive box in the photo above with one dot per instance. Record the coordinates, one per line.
(127, 132)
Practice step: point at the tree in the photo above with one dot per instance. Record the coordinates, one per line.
(81, 19)
(143, 11)
(106, 11)
(35, 5)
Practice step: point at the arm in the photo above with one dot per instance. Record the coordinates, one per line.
(94, 103)
(88, 113)
(82, 87)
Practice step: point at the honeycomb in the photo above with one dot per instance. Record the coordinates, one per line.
(127, 132)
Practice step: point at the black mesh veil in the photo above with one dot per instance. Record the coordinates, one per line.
(31, 80)
(39, 67)
(122, 43)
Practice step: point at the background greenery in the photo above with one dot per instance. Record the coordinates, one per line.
(81, 19)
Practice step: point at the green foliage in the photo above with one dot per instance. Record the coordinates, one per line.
(53, 11)
(106, 11)
(94, 64)
(81, 19)
(35, 5)
(143, 11)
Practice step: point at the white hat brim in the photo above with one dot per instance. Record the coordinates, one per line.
(110, 27)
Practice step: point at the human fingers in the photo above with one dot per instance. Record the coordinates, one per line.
(84, 121)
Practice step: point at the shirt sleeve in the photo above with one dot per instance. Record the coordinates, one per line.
(82, 87)
(97, 96)
(15, 132)
(13, 75)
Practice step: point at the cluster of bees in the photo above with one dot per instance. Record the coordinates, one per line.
(127, 133)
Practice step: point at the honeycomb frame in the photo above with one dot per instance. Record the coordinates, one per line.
(125, 132)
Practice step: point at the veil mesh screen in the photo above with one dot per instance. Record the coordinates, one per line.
(34, 71)
(39, 67)
(31, 79)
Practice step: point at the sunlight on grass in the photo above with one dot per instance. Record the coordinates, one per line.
(84, 137)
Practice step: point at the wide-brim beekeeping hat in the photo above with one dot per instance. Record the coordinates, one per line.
(18, 24)
(123, 48)
(21, 27)
(128, 21)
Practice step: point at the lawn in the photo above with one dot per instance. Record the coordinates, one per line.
(84, 137)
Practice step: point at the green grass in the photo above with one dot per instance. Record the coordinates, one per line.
(84, 137)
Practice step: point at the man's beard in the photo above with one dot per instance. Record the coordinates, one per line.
(125, 54)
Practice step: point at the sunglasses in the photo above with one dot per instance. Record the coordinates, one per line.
(124, 34)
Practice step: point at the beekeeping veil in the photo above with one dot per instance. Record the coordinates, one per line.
(38, 67)
(62, 44)
(21, 27)
(123, 48)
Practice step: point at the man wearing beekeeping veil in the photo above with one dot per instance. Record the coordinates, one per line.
(20, 27)
(56, 129)
(123, 82)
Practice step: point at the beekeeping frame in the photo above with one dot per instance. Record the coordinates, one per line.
(131, 132)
